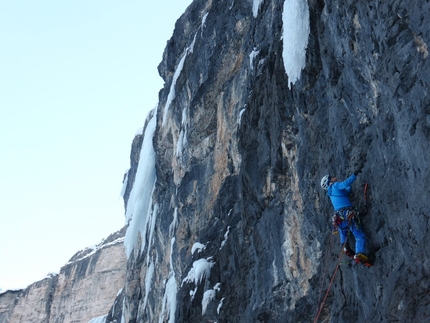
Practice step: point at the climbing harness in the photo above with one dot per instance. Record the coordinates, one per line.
(345, 213)
(352, 215)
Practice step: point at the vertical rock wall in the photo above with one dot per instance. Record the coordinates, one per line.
(239, 228)
(375, 110)
(30, 305)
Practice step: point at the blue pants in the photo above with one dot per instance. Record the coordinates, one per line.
(360, 238)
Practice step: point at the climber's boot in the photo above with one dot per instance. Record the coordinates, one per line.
(362, 258)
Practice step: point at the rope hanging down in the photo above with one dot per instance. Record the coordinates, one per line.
(365, 195)
(325, 268)
(366, 186)
(332, 279)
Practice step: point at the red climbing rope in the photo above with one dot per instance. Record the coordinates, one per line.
(365, 193)
(325, 268)
(332, 278)
(329, 286)
(337, 265)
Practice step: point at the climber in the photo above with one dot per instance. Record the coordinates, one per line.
(344, 218)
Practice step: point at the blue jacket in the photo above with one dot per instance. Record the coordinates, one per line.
(339, 193)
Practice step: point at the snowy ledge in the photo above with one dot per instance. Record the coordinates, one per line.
(90, 251)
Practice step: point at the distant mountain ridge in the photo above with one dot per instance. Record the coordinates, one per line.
(85, 288)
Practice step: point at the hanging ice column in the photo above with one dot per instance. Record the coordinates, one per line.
(255, 7)
(172, 91)
(139, 204)
(295, 19)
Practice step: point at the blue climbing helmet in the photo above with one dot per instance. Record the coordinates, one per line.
(325, 181)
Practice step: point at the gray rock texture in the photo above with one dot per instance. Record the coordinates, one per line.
(239, 228)
(235, 227)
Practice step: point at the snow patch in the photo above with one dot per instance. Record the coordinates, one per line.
(174, 224)
(201, 269)
(204, 23)
(239, 119)
(252, 56)
(123, 311)
(169, 298)
(139, 131)
(182, 140)
(148, 282)
(197, 247)
(217, 287)
(152, 218)
(51, 275)
(100, 319)
(93, 249)
(225, 238)
(190, 49)
(172, 91)
(208, 296)
(255, 7)
(220, 305)
(295, 19)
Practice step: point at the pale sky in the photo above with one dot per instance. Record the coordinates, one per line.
(77, 79)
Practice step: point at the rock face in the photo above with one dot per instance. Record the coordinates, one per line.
(226, 218)
(84, 289)
(228, 222)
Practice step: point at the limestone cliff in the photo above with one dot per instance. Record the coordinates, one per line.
(85, 288)
(227, 220)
